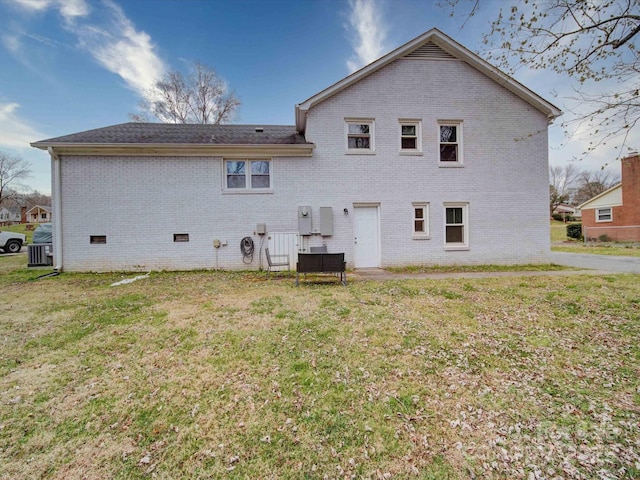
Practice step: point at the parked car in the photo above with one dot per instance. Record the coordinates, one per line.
(11, 242)
(43, 233)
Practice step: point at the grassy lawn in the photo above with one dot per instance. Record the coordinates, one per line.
(559, 232)
(537, 267)
(608, 249)
(211, 375)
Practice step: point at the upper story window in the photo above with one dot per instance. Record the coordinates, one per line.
(410, 136)
(242, 175)
(450, 142)
(604, 214)
(360, 135)
(456, 226)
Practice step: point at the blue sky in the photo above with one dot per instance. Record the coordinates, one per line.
(72, 65)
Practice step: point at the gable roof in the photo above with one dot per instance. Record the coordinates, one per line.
(156, 137)
(584, 205)
(433, 45)
(40, 207)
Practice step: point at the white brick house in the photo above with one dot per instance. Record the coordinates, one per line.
(427, 156)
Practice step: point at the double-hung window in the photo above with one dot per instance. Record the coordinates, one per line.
(604, 214)
(248, 175)
(450, 143)
(410, 136)
(360, 135)
(420, 220)
(456, 226)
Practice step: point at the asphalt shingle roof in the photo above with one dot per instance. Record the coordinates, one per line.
(169, 133)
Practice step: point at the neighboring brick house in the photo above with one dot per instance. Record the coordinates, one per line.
(614, 215)
(428, 155)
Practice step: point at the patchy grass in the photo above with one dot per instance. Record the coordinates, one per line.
(608, 249)
(477, 268)
(211, 375)
(559, 231)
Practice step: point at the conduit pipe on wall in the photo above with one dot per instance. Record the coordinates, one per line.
(57, 209)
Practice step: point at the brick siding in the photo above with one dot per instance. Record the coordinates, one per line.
(140, 202)
(625, 224)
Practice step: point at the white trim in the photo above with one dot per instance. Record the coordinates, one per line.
(459, 142)
(597, 214)
(247, 189)
(372, 136)
(607, 227)
(179, 149)
(415, 123)
(581, 206)
(425, 234)
(56, 188)
(464, 245)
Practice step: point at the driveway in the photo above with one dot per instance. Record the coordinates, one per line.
(608, 263)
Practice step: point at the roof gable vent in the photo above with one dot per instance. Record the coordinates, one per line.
(430, 51)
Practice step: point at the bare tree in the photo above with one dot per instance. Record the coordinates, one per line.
(592, 183)
(201, 97)
(562, 180)
(34, 198)
(12, 170)
(591, 41)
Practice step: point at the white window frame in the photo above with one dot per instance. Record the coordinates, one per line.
(248, 188)
(406, 122)
(372, 135)
(599, 213)
(464, 245)
(417, 234)
(458, 142)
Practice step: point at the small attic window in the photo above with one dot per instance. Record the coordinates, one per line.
(259, 129)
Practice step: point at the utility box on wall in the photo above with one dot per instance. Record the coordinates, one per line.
(304, 220)
(326, 221)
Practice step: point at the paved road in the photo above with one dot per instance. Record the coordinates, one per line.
(609, 263)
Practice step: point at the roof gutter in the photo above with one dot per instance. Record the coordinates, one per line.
(57, 208)
(181, 149)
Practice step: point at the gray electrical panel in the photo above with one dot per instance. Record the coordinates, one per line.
(326, 221)
(304, 220)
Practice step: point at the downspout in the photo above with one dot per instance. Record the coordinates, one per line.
(57, 209)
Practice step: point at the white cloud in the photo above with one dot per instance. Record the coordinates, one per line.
(69, 9)
(12, 43)
(368, 33)
(33, 5)
(14, 132)
(105, 33)
(121, 49)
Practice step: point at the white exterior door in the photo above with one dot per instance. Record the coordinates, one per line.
(366, 237)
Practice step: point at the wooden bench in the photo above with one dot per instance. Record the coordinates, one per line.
(322, 263)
